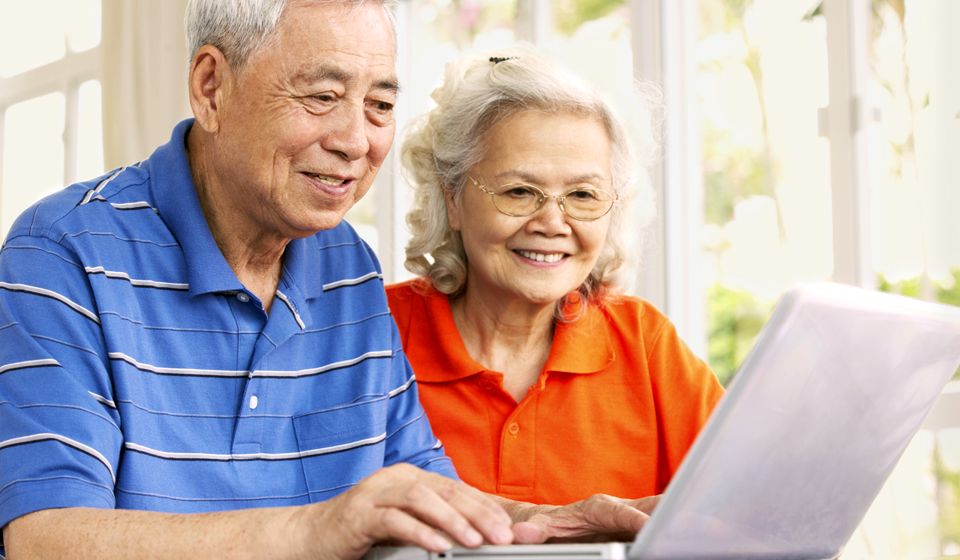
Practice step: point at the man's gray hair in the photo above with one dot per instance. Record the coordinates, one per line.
(240, 27)
(440, 149)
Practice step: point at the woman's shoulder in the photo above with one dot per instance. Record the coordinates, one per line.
(409, 295)
(633, 313)
(414, 288)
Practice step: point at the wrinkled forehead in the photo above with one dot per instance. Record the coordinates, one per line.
(343, 11)
(316, 40)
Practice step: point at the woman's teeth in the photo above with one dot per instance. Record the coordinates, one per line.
(541, 257)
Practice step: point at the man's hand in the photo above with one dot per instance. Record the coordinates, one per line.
(599, 517)
(405, 504)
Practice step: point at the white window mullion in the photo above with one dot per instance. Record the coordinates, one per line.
(646, 25)
(534, 22)
(844, 123)
(678, 287)
(49, 78)
(390, 189)
(71, 133)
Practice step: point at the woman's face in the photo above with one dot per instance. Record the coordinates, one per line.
(535, 259)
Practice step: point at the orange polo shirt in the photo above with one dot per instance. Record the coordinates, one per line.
(619, 402)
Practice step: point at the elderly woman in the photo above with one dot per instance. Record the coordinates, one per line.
(543, 382)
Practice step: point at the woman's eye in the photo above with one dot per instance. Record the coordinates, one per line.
(583, 194)
(519, 192)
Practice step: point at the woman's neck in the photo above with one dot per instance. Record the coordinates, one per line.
(514, 339)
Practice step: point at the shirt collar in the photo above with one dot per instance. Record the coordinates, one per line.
(179, 207)
(580, 347)
(449, 359)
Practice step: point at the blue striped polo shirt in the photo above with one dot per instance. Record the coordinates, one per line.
(137, 372)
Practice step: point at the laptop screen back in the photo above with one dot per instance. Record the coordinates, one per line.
(817, 417)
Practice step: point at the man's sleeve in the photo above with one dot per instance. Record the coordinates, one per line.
(59, 427)
(409, 436)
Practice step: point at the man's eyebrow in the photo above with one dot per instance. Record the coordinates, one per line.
(325, 72)
(391, 85)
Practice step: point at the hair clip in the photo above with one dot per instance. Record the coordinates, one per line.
(499, 59)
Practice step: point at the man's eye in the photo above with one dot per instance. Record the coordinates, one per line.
(381, 112)
(324, 97)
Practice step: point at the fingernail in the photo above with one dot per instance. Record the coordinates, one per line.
(503, 535)
(471, 537)
(439, 543)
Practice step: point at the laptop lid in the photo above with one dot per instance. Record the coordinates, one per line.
(814, 422)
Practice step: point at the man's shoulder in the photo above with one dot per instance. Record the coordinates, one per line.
(115, 203)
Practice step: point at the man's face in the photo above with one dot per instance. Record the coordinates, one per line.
(308, 120)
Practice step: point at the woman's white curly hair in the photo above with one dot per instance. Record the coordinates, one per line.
(444, 144)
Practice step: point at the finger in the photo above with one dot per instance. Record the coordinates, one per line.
(598, 517)
(526, 532)
(420, 500)
(400, 526)
(481, 512)
(613, 516)
(646, 505)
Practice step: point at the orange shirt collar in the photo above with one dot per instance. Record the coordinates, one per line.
(581, 347)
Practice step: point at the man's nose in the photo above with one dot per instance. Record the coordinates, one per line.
(348, 138)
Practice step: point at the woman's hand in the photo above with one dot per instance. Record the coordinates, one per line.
(597, 518)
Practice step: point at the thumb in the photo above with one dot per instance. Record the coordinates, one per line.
(526, 532)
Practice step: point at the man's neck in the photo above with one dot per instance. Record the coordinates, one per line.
(254, 253)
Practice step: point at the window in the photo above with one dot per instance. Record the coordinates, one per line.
(50, 127)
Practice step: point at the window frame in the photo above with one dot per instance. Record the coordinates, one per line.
(65, 76)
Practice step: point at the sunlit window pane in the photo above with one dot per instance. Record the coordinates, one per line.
(34, 31)
(915, 244)
(593, 39)
(89, 132)
(762, 77)
(83, 24)
(32, 154)
(914, 195)
(569, 15)
(444, 30)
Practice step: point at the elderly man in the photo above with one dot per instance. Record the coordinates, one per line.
(201, 334)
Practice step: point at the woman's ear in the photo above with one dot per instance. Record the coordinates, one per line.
(208, 82)
(453, 209)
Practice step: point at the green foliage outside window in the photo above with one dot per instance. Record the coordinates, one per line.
(736, 317)
(570, 14)
(946, 291)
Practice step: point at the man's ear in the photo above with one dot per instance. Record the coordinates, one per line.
(209, 80)
(453, 210)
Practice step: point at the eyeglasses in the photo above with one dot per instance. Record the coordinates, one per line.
(520, 199)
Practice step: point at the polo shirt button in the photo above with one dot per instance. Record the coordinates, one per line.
(254, 401)
(513, 429)
(244, 298)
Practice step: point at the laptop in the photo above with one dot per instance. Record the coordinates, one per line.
(817, 417)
